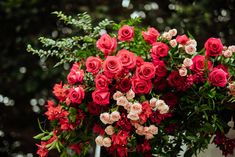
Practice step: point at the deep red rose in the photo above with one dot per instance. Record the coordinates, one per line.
(151, 35)
(217, 77)
(179, 82)
(126, 33)
(199, 64)
(124, 85)
(160, 67)
(101, 97)
(156, 117)
(140, 86)
(182, 39)
(160, 83)
(106, 44)
(93, 108)
(121, 138)
(102, 82)
(93, 64)
(224, 68)
(146, 71)
(76, 95)
(198, 77)
(112, 66)
(159, 49)
(127, 58)
(124, 123)
(144, 147)
(170, 99)
(213, 47)
(97, 129)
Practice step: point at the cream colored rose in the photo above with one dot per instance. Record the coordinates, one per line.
(163, 109)
(99, 140)
(192, 42)
(166, 36)
(128, 107)
(232, 48)
(190, 49)
(149, 136)
(122, 101)
(133, 116)
(115, 116)
(187, 62)
(173, 43)
(107, 142)
(105, 118)
(116, 95)
(173, 32)
(152, 102)
(109, 130)
(183, 71)
(136, 108)
(160, 103)
(227, 53)
(153, 129)
(130, 94)
(231, 88)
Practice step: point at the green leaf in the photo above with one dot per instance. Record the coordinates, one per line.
(39, 136)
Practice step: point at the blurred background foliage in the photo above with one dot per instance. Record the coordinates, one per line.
(26, 81)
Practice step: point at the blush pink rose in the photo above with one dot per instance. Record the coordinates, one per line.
(76, 95)
(107, 142)
(213, 47)
(101, 97)
(93, 64)
(126, 33)
(105, 118)
(151, 35)
(106, 44)
(112, 66)
(115, 116)
(99, 140)
(109, 130)
(136, 108)
(217, 77)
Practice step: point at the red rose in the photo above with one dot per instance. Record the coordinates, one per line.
(213, 47)
(76, 95)
(93, 64)
(224, 68)
(124, 85)
(177, 81)
(94, 109)
(170, 99)
(126, 33)
(127, 58)
(140, 86)
(182, 39)
(146, 71)
(101, 97)
(144, 147)
(159, 50)
(199, 64)
(217, 77)
(151, 35)
(112, 66)
(106, 44)
(160, 83)
(75, 76)
(121, 138)
(101, 82)
(160, 67)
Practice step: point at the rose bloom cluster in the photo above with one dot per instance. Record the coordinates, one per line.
(133, 94)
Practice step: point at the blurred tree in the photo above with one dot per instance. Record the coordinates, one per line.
(26, 80)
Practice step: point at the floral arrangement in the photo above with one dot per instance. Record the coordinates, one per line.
(134, 90)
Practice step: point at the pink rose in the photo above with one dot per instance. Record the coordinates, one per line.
(107, 142)
(153, 129)
(139, 61)
(151, 35)
(101, 97)
(199, 64)
(133, 116)
(105, 118)
(187, 62)
(227, 53)
(190, 49)
(173, 43)
(136, 108)
(117, 95)
(213, 47)
(166, 36)
(140, 86)
(76, 95)
(182, 39)
(93, 65)
(106, 44)
(99, 140)
(130, 94)
(127, 58)
(101, 82)
(122, 101)
(183, 71)
(146, 71)
(217, 77)
(76, 75)
(112, 66)
(109, 130)
(173, 32)
(159, 49)
(115, 116)
(126, 33)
